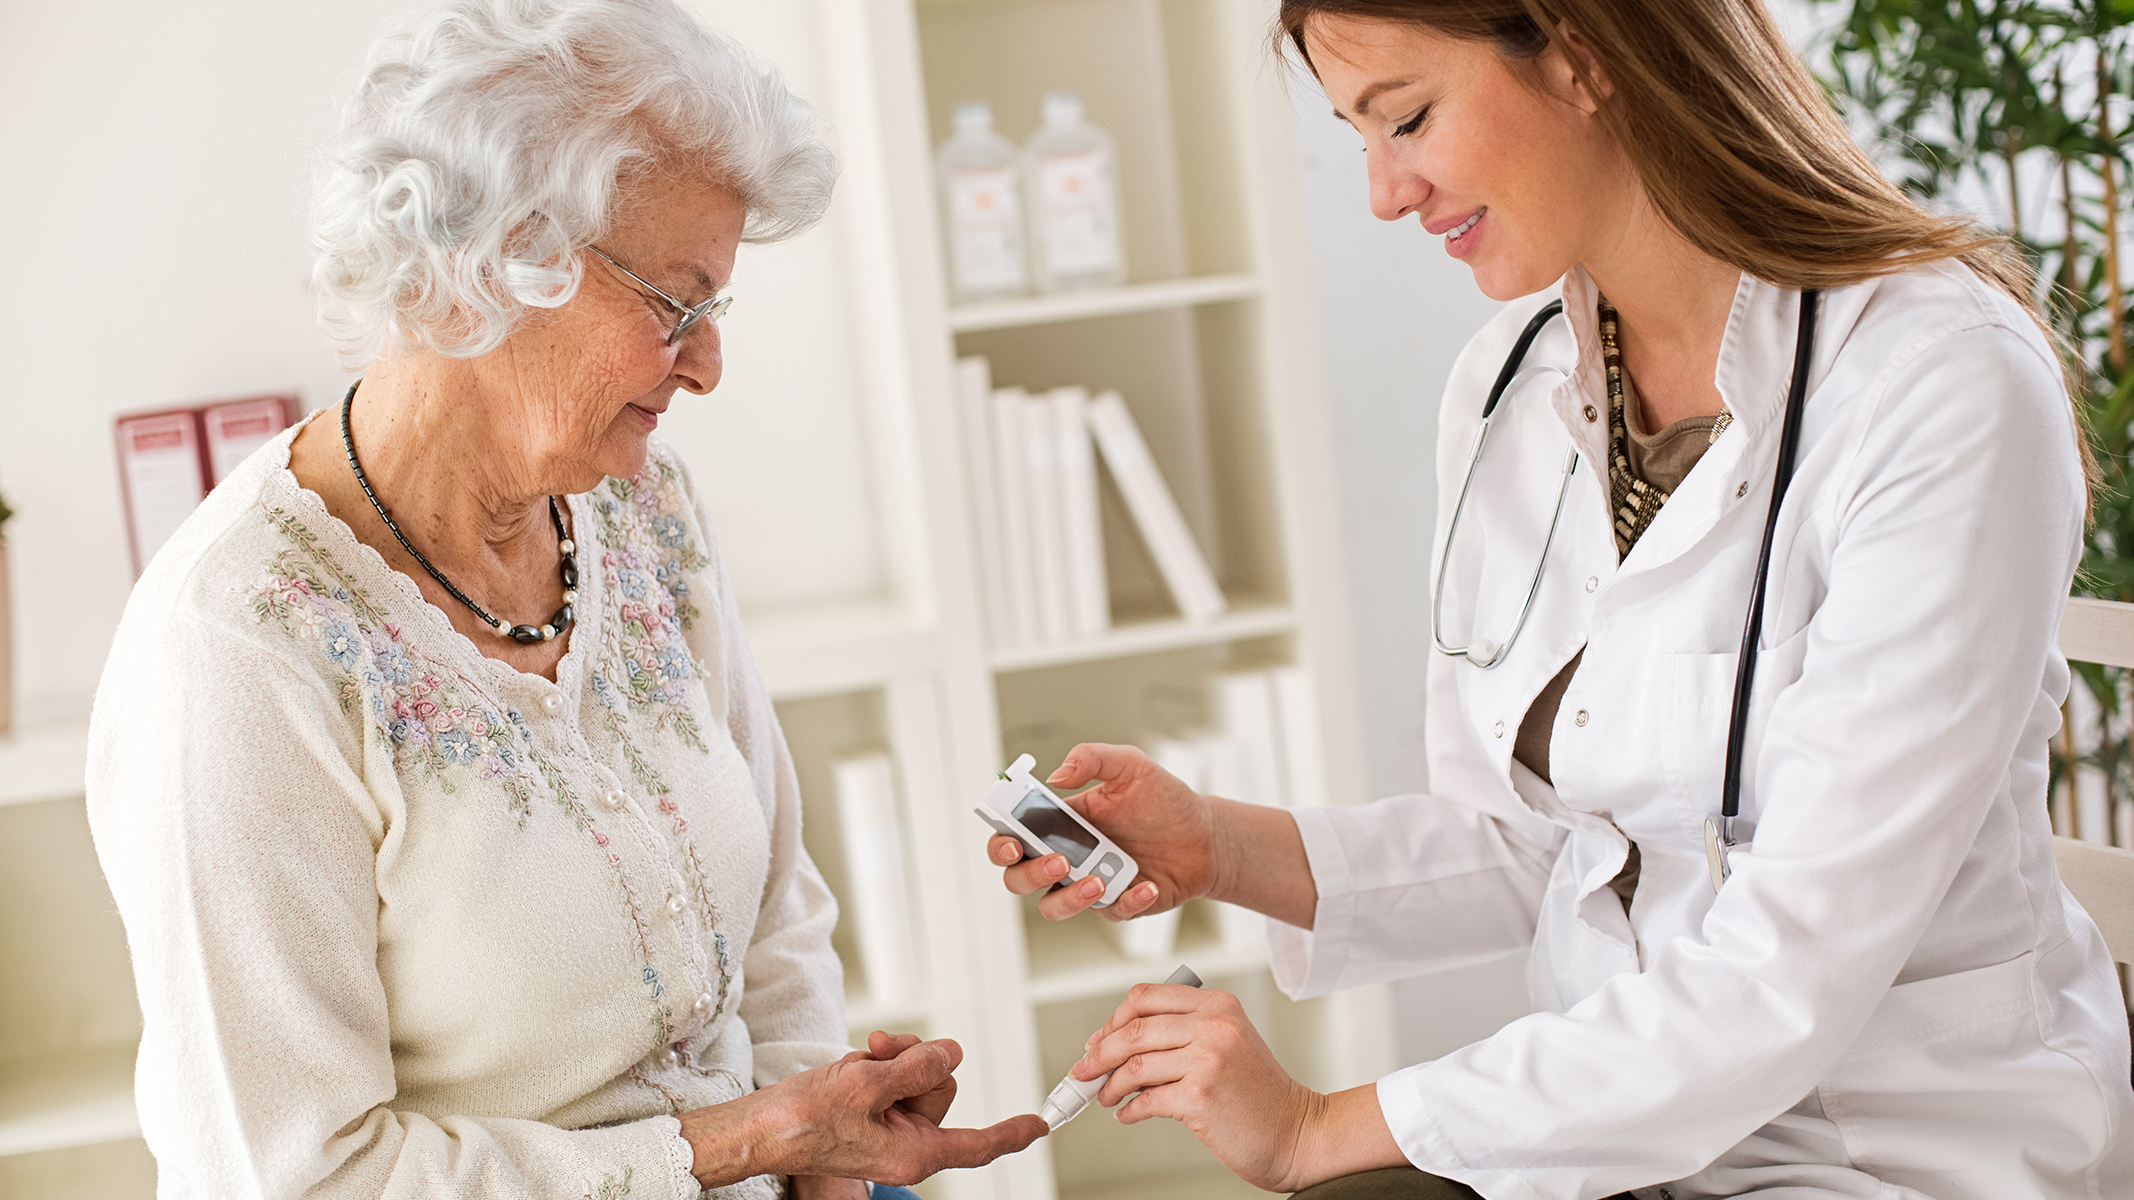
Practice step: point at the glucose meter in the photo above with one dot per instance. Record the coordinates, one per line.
(1028, 811)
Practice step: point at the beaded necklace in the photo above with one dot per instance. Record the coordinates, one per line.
(525, 635)
(1633, 501)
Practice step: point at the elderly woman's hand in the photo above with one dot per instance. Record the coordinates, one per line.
(873, 1116)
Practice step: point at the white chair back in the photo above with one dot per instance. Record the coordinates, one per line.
(2100, 876)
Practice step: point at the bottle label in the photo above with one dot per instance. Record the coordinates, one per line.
(985, 231)
(1074, 192)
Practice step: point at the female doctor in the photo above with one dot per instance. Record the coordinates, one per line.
(1865, 979)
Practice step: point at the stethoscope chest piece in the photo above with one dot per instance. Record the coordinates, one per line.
(1718, 840)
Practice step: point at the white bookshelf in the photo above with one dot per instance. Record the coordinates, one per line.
(863, 606)
(62, 1101)
(1211, 342)
(1108, 302)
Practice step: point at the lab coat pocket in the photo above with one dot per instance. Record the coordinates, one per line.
(1922, 1086)
(1700, 690)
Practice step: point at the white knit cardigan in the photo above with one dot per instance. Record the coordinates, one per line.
(408, 922)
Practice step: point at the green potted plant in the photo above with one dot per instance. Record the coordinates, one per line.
(1977, 97)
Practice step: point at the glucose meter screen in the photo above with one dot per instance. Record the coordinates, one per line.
(1062, 832)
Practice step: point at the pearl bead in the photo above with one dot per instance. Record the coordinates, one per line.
(503, 628)
(570, 596)
(569, 546)
(547, 632)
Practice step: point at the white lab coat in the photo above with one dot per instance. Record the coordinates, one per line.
(1893, 996)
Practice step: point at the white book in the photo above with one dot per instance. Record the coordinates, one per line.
(1015, 527)
(1245, 712)
(1082, 522)
(1178, 557)
(1048, 532)
(974, 395)
(880, 899)
(1303, 762)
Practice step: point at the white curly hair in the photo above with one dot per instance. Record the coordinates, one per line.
(489, 142)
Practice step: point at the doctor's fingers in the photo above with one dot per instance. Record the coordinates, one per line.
(1158, 999)
(1097, 762)
(1156, 1069)
(1068, 899)
(1024, 876)
(1164, 1017)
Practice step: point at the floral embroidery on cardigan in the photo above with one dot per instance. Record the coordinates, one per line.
(612, 1188)
(420, 710)
(423, 715)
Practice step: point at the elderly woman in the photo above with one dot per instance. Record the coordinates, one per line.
(451, 824)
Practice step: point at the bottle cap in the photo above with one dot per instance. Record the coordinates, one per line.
(1063, 108)
(973, 116)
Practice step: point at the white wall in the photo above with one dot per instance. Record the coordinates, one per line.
(1394, 310)
(155, 160)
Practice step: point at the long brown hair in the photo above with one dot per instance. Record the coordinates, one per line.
(1729, 134)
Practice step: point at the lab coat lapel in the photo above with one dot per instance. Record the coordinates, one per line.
(1755, 370)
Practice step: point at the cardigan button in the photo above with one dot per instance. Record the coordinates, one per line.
(675, 905)
(702, 1008)
(667, 1059)
(613, 798)
(552, 703)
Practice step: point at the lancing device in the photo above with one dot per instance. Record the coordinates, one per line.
(1073, 1095)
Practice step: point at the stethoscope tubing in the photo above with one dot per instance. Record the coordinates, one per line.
(1482, 652)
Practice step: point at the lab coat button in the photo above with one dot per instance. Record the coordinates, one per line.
(1581, 719)
(1592, 582)
(1499, 731)
(552, 703)
(674, 905)
(1741, 491)
(1591, 415)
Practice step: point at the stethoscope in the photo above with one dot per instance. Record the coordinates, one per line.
(1719, 832)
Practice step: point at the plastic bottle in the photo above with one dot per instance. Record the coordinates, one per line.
(1074, 202)
(981, 193)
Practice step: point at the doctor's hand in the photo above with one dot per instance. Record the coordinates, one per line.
(1185, 843)
(1149, 812)
(1194, 1056)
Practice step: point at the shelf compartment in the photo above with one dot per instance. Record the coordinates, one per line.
(1078, 960)
(863, 1015)
(837, 648)
(76, 1098)
(1108, 302)
(46, 763)
(1152, 637)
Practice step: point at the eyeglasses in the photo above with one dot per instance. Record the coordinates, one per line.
(713, 308)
